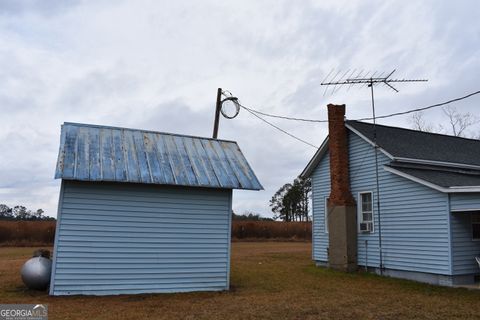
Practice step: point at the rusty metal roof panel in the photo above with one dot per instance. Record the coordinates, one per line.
(101, 153)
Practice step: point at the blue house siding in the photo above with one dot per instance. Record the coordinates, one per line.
(414, 218)
(320, 191)
(116, 238)
(465, 201)
(464, 248)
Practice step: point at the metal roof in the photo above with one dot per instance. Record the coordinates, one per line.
(101, 153)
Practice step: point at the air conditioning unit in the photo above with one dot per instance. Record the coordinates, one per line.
(366, 227)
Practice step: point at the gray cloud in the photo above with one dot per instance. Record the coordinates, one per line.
(157, 65)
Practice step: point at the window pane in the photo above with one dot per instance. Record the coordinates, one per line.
(476, 231)
(475, 217)
(367, 216)
(366, 202)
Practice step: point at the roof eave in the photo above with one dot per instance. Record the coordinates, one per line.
(317, 157)
(451, 189)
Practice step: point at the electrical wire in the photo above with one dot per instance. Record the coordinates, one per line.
(362, 119)
(424, 108)
(280, 129)
(257, 114)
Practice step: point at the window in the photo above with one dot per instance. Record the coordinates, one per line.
(475, 225)
(365, 211)
(325, 217)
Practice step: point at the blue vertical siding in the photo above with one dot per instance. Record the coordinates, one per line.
(116, 238)
(464, 201)
(464, 248)
(415, 232)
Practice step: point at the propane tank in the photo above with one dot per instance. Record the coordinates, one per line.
(36, 272)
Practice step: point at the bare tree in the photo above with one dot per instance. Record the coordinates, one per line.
(459, 123)
(419, 123)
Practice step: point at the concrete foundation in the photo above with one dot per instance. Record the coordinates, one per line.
(342, 236)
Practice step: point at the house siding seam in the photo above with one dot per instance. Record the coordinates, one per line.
(414, 218)
(116, 238)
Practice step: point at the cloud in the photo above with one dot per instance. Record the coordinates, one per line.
(157, 65)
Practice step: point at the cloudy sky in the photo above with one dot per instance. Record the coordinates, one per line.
(157, 65)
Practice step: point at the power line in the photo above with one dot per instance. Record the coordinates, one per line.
(251, 110)
(424, 108)
(280, 117)
(257, 114)
(280, 129)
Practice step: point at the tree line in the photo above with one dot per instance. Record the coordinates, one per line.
(21, 213)
(291, 201)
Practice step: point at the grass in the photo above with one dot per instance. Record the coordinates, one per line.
(270, 280)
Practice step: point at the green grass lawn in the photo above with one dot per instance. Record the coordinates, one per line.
(269, 280)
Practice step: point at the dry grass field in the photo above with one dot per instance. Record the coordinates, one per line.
(270, 280)
(42, 233)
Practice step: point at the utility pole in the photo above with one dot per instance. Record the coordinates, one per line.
(218, 107)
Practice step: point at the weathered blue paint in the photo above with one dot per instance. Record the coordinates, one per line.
(99, 153)
(415, 231)
(115, 238)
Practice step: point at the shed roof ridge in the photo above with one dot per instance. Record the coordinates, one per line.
(143, 130)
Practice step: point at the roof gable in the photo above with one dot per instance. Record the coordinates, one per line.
(101, 153)
(445, 163)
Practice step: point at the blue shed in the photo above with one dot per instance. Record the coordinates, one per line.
(426, 224)
(143, 212)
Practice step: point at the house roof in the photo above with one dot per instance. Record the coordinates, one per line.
(445, 163)
(445, 179)
(101, 153)
(404, 143)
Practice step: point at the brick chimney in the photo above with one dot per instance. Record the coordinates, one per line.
(342, 213)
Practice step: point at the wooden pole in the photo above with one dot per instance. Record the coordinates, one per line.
(218, 107)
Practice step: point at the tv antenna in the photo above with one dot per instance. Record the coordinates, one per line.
(370, 80)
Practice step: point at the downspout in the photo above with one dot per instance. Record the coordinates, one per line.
(450, 244)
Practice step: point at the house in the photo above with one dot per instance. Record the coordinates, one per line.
(143, 211)
(422, 222)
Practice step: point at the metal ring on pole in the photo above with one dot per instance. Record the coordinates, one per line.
(237, 107)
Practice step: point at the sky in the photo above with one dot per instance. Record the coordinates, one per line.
(157, 65)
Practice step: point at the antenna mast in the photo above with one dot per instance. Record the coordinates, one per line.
(370, 81)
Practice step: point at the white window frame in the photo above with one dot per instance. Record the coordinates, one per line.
(360, 210)
(472, 223)
(325, 215)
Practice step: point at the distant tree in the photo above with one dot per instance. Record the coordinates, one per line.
(249, 216)
(291, 201)
(38, 214)
(459, 124)
(5, 212)
(21, 213)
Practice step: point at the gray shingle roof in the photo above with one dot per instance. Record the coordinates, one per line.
(100, 153)
(440, 176)
(406, 143)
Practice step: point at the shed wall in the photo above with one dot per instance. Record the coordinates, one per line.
(414, 218)
(115, 238)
